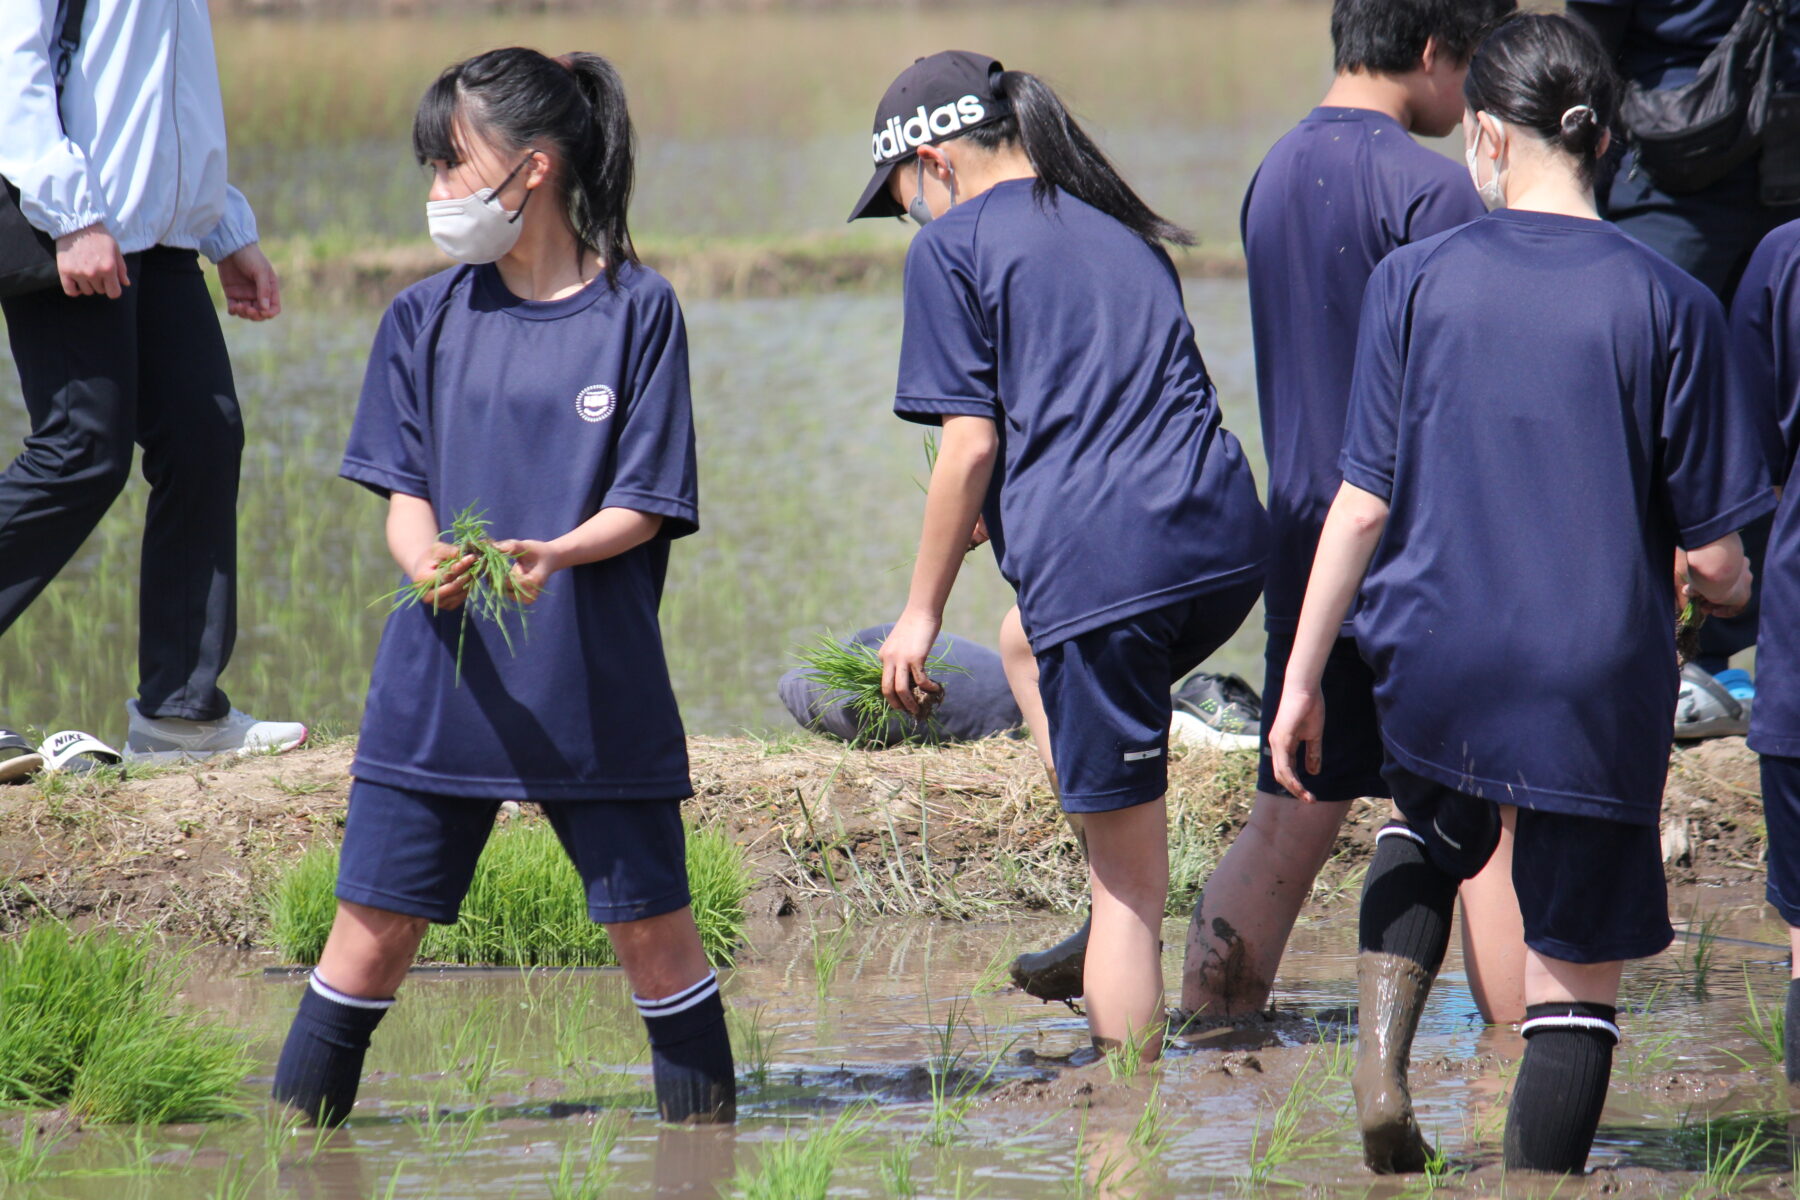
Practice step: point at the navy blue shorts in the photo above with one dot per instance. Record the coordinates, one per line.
(1590, 890)
(1106, 693)
(1352, 756)
(1781, 815)
(414, 852)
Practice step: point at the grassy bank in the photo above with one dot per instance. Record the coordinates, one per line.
(863, 260)
(960, 832)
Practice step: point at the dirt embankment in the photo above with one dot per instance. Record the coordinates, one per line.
(957, 832)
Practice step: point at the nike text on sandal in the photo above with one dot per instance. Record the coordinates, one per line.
(174, 739)
(19, 759)
(73, 752)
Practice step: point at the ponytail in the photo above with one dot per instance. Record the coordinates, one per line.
(526, 100)
(1065, 158)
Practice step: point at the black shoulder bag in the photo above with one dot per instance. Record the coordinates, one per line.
(1689, 137)
(27, 253)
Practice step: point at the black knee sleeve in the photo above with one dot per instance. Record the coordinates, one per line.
(1561, 1087)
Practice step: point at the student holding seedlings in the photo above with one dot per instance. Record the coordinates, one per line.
(1337, 194)
(545, 380)
(1765, 326)
(1045, 333)
(1539, 416)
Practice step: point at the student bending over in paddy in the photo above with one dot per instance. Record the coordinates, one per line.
(1540, 415)
(1765, 324)
(546, 380)
(1040, 303)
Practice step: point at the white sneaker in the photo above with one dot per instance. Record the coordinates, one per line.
(172, 739)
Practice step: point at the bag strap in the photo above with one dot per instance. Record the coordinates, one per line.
(68, 40)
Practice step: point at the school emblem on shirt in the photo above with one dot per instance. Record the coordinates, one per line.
(596, 403)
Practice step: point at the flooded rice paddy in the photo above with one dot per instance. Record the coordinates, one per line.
(901, 1040)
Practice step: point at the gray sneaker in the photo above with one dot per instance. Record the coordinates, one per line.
(1224, 710)
(172, 739)
(1705, 709)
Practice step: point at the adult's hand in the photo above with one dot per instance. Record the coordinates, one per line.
(251, 289)
(89, 263)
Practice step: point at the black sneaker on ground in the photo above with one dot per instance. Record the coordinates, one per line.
(1217, 710)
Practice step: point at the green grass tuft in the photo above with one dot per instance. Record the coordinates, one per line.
(89, 1021)
(526, 906)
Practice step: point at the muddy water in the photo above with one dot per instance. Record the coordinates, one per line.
(526, 1072)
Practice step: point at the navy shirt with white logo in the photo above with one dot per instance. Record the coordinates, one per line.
(1545, 405)
(1117, 491)
(1335, 196)
(1765, 329)
(541, 413)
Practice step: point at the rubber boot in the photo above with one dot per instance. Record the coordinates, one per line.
(1391, 993)
(1056, 973)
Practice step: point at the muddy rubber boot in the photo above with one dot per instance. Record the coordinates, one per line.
(1056, 973)
(1391, 993)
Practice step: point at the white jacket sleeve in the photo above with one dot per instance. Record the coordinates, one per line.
(57, 190)
(235, 230)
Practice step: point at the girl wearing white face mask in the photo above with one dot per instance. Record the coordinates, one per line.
(544, 381)
(1540, 414)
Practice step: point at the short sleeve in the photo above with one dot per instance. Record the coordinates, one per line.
(389, 439)
(1372, 426)
(947, 356)
(654, 467)
(1714, 439)
(1765, 328)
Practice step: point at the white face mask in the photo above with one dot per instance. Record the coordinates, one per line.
(475, 229)
(1492, 194)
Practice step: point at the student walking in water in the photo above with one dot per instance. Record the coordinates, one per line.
(1341, 191)
(1540, 416)
(545, 380)
(1045, 333)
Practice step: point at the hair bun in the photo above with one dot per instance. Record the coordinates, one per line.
(1577, 118)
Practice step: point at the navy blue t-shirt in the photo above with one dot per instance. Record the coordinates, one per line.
(1765, 330)
(1336, 195)
(1665, 41)
(1117, 491)
(1545, 405)
(542, 413)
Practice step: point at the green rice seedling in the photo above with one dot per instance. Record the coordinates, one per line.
(753, 1043)
(1647, 1056)
(28, 1159)
(526, 906)
(447, 1132)
(1702, 950)
(1126, 1060)
(994, 975)
(1730, 1153)
(1283, 1141)
(490, 593)
(1767, 1027)
(585, 1171)
(896, 1170)
(475, 1051)
(850, 673)
(1151, 1132)
(955, 1082)
(1687, 631)
(236, 1181)
(91, 1022)
(828, 953)
(801, 1167)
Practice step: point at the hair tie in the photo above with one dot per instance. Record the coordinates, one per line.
(1572, 117)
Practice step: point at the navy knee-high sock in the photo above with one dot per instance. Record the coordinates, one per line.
(1561, 1087)
(321, 1063)
(690, 1054)
(1407, 902)
(1792, 1033)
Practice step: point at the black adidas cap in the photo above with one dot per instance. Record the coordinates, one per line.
(934, 100)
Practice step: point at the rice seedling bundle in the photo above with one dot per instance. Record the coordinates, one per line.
(490, 593)
(850, 673)
(91, 1021)
(526, 906)
(1687, 632)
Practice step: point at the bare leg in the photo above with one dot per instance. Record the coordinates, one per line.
(1561, 1087)
(690, 1048)
(1021, 669)
(661, 955)
(1553, 981)
(370, 950)
(1493, 933)
(1241, 923)
(1128, 863)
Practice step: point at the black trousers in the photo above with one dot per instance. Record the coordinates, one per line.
(98, 375)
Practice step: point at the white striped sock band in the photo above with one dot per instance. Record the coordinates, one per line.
(330, 993)
(1405, 831)
(681, 1001)
(1570, 1021)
